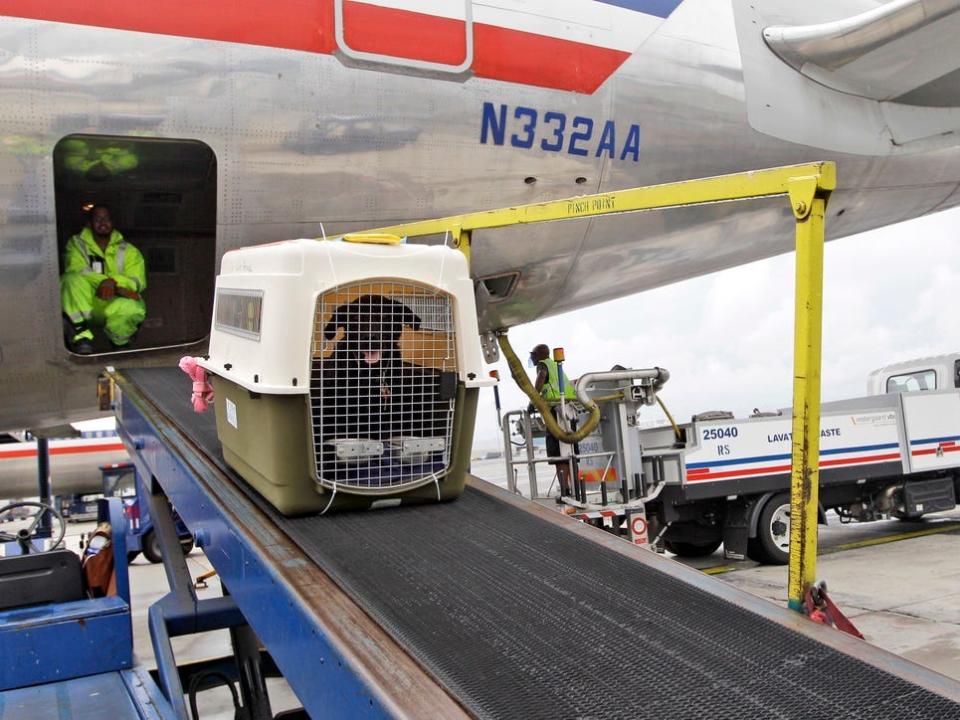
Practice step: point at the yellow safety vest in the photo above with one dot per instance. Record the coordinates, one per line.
(121, 260)
(551, 388)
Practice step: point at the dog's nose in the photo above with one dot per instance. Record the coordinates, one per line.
(368, 340)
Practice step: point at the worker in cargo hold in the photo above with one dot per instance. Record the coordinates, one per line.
(548, 385)
(102, 285)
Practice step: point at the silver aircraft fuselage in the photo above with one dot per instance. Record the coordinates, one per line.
(304, 137)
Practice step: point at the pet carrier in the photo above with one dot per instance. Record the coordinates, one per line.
(345, 373)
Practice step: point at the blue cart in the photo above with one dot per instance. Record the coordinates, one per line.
(62, 653)
(120, 480)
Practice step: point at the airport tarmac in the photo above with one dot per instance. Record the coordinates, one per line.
(898, 581)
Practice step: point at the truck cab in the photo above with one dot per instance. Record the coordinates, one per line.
(940, 372)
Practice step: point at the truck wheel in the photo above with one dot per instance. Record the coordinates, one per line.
(772, 543)
(131, 556)
(187, 545)
(691, 550)
(151, 547)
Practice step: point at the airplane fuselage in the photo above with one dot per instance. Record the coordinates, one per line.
(306, 133)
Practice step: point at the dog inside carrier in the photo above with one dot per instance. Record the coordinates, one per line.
(350, 383)
(383, 386)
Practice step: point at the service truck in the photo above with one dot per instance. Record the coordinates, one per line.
(721, 479)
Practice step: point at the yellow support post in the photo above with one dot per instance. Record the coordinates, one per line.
(809, 207)
(461, 241)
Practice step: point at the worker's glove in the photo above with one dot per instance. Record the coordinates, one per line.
(107, 289)
(130, 294)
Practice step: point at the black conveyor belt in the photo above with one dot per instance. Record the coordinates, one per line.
(518, 617)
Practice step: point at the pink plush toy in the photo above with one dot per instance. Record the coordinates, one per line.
(202, 389)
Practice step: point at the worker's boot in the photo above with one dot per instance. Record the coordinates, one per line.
(82, 342)
(82, 347)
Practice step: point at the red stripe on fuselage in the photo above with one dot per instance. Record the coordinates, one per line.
(66, 450)
(291, 24)
(404, 34)
(308, 25)
(528, 59)
(498, 53)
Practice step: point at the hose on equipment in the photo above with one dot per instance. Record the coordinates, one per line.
(523, 382)
(673, 423)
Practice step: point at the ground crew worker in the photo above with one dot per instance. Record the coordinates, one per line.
(102, 284)
(548, 385)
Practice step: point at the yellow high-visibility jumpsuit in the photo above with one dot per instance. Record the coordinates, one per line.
(85, 266)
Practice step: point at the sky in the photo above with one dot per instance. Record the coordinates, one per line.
(727, 338)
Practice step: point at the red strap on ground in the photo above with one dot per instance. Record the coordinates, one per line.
(820, 608)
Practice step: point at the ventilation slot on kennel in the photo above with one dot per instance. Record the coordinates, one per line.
(383, 386)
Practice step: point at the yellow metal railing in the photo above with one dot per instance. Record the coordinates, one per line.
(808, 188)
(805, 462)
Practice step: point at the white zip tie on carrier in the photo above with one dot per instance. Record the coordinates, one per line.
(332, 496)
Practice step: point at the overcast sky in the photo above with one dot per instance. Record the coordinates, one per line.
(727, 339)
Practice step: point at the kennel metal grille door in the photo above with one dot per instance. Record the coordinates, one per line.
(383, 386)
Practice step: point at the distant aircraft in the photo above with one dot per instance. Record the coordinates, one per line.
(74, 463)
(211, 125)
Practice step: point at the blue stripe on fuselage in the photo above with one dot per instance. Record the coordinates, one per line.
(659, 8)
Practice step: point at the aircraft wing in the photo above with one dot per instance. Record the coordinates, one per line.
(859, 77)
(905, 51)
